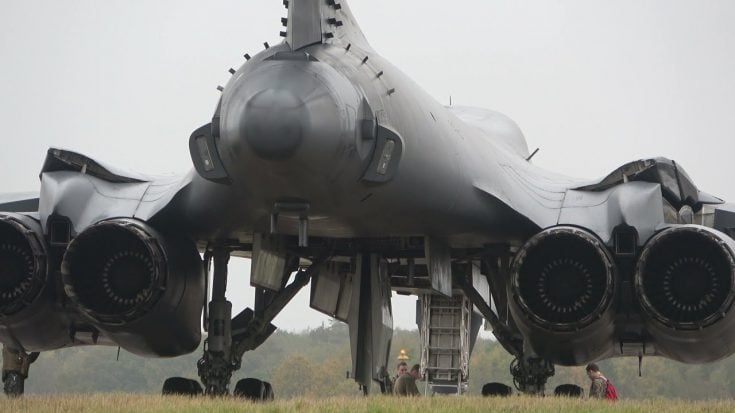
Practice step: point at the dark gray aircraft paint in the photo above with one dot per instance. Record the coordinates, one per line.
(324, 159)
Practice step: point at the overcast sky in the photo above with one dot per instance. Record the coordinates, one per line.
(593, 83)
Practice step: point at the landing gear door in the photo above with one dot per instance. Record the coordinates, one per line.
(268, 266)
(331, 291)
(371, 323)
(439, 263)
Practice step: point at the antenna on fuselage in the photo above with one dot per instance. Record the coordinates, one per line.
(450, 100)
(532, 155)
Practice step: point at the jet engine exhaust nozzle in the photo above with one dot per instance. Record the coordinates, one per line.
(563, 279)
(685, 277)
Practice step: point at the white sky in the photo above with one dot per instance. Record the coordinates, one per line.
(593, 83)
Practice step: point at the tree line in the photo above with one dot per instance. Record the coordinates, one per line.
(317, 363)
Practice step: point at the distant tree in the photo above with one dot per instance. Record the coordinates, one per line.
(295, 376)
(314, 363)
(331, 378)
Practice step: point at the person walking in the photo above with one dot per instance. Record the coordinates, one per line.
(600, 386)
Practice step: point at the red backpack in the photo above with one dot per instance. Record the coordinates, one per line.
(611, 393)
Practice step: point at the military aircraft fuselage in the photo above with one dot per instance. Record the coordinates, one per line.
(361, 147)
(322, 158)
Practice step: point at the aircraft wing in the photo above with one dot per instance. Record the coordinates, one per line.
(87, 191)
(645, 193)
(98, 217)
(19, 202)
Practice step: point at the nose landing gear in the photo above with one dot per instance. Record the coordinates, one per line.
(229, 338)
(530, 374)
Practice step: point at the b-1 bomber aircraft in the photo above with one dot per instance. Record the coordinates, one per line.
(327, 166)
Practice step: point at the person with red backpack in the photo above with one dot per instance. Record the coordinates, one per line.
(601, 387)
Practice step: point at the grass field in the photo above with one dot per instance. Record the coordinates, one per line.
(109, 403)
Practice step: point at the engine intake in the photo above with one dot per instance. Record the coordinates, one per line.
(22, 264)
(685, 283)
(115, 271)
(563, 279)
(143, 289)
(684, 278)
(562, 288)
(31, 316)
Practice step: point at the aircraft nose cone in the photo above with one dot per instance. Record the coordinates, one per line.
(287, 111)
(288, 126)
(274, 122)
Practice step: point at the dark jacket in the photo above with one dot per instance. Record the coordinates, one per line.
(405, 386)
(598, 388)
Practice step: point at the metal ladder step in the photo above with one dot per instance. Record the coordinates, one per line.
(445, 338)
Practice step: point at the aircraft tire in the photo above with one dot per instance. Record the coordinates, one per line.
(568, 390)
(181, 386)
(13, 384)
(495, 389)
(253, 389)
(268, 394)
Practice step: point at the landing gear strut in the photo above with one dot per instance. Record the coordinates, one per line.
(530, 374)
(217, 365)
(16, 364)
(229, 338)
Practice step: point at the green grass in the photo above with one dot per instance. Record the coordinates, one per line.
(118, 402)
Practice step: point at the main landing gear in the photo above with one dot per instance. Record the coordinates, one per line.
(16, 364)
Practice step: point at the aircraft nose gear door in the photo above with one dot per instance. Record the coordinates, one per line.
(371, 323)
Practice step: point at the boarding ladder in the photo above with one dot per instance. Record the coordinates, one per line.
(445, 342)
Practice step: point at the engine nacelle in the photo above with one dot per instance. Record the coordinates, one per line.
(685, 282)
(30, 316)
(562, 288)
(143, 290)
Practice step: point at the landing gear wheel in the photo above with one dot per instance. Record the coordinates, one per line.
(254, 390)
(180, 386)
(568, 390)
(496, 390)
(13, 384)
(268, 395)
